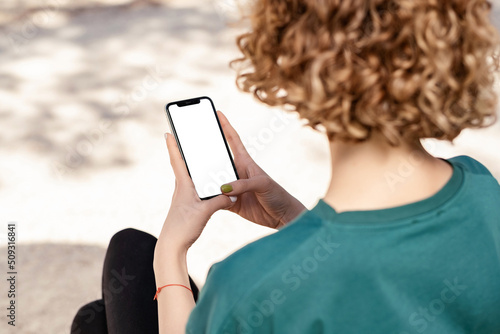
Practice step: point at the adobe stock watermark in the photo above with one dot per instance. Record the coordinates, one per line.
(423, 317)
(406, 168)
(115, 286)
(230, 10)
(31, 26)
(76, 155)
(291, 280)
(257, 143)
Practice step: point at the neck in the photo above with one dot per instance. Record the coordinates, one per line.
(375, 175)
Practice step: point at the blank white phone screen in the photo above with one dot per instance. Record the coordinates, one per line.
(203, 147)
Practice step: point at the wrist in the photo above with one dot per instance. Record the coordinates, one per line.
(293, 211)
(169, 257)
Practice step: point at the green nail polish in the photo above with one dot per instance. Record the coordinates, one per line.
(226, 188)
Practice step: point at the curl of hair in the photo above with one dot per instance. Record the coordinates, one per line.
(409, 69)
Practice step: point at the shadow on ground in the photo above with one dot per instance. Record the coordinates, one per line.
(72, 87)
(53, 281)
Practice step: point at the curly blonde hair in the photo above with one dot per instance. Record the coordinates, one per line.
(409, 69)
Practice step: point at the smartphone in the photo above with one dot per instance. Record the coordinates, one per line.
(202, 144)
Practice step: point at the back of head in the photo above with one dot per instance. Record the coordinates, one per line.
(408, 69)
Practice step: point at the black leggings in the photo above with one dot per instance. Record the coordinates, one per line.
(128, 287)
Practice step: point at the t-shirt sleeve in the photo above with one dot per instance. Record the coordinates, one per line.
(203, 316)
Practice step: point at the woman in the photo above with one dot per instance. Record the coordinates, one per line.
(381, 252)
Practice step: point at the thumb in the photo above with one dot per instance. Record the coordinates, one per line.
(258, 184)
(219, 202)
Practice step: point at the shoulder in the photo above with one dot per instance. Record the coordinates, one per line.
(478, 179)
(479, 196)
(470, 165)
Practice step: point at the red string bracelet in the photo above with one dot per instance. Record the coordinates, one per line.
(161, 287)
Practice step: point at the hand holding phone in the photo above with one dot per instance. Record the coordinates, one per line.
(260, 199)
(187, 215)
(202, 144)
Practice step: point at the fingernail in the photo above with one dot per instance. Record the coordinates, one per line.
(233, 198)
(226, 188)
(166, 135)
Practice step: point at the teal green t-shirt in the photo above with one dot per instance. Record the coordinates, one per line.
(432, 266)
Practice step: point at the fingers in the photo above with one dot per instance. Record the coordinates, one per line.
(178, 165)
(232, 137)
(258, 184)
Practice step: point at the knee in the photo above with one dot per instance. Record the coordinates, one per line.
(130, 236)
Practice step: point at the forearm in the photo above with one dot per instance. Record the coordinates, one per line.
(185, 221)
(174, 302)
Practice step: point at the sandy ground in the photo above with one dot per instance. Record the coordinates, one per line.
(82, 91)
